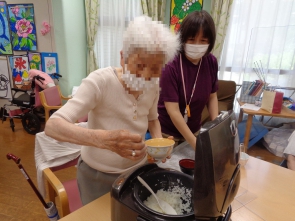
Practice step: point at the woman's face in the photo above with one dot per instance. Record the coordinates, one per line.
(146, 65)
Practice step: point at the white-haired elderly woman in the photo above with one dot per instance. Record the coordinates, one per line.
(121, 104)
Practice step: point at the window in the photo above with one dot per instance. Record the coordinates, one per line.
(260, 33)
(114, 16)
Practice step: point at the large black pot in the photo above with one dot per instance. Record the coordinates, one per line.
(163, 179)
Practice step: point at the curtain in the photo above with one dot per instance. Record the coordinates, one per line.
(220, 11)
(260, 40)
(113, 18)
(91, 11)
(154, 9)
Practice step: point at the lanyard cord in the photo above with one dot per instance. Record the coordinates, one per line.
(194, 87)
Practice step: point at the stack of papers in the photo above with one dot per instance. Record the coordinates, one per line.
(250, 107)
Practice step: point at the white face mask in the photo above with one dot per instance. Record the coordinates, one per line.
(195, 51)
(138, 83)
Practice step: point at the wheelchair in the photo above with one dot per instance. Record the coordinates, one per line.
(27, 103)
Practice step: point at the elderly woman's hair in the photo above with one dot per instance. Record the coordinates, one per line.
(151, 36)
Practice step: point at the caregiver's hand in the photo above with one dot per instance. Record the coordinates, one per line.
(124, 143)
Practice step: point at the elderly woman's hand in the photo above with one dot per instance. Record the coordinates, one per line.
(124, 143)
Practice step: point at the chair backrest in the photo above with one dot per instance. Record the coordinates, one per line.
(51, 99)
(226, 95)
(52, 96)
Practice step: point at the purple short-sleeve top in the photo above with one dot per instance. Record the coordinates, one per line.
(172, 90)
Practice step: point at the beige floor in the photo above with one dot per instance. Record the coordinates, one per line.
(17, 199)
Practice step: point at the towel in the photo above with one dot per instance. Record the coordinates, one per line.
(50, 153)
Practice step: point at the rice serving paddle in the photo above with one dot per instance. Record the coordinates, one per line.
(166, 207)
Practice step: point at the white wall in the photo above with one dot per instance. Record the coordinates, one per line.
(70, 38)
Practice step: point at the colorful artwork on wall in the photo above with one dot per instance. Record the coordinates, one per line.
(5, 37)
(22, 26)
(35, 61)
(180, 9)
(5, 88)
(49, 62)
(20, 72)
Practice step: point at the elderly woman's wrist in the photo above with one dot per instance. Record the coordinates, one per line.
(96, 138)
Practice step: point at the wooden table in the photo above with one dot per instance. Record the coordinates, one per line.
(285, 113)
(267, 192)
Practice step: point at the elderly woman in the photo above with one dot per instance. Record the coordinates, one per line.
(121, 104)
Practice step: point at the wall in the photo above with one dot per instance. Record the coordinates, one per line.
(42, 10)
(70, 39)
(207, 5)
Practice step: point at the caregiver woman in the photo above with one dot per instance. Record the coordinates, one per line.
(189, 81)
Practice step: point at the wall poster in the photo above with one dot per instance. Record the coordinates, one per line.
(49, 62)
(35, 61)
(5, 87)
(180, 9)
(20, 72)
(5, 37)
(22, 26)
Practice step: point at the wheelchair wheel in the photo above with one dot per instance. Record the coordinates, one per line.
(31, 123)
(12, 124)
(3, 114)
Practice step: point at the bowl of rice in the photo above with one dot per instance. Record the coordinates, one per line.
(171, 186)
(159, 148)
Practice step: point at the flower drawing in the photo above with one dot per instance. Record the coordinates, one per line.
(50, 65)
(180, 9)
(174, 20)
(33, 66)
(15, 10)
(35, 61)
(176, 28)
(19, 63)
(185, 7)
(190, 2)
(23, 27)
(36, 58)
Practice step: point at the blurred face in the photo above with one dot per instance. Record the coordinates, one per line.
(145, 65)
(142, 70)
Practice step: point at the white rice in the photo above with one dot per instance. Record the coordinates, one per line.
(178, 197)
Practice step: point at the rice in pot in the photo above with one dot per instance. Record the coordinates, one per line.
(178, 197)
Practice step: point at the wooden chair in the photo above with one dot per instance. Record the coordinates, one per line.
(51, 99)
(65, 194)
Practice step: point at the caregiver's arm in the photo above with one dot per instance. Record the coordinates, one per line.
(178, 121)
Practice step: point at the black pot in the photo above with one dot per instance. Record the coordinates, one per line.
(162, 180)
